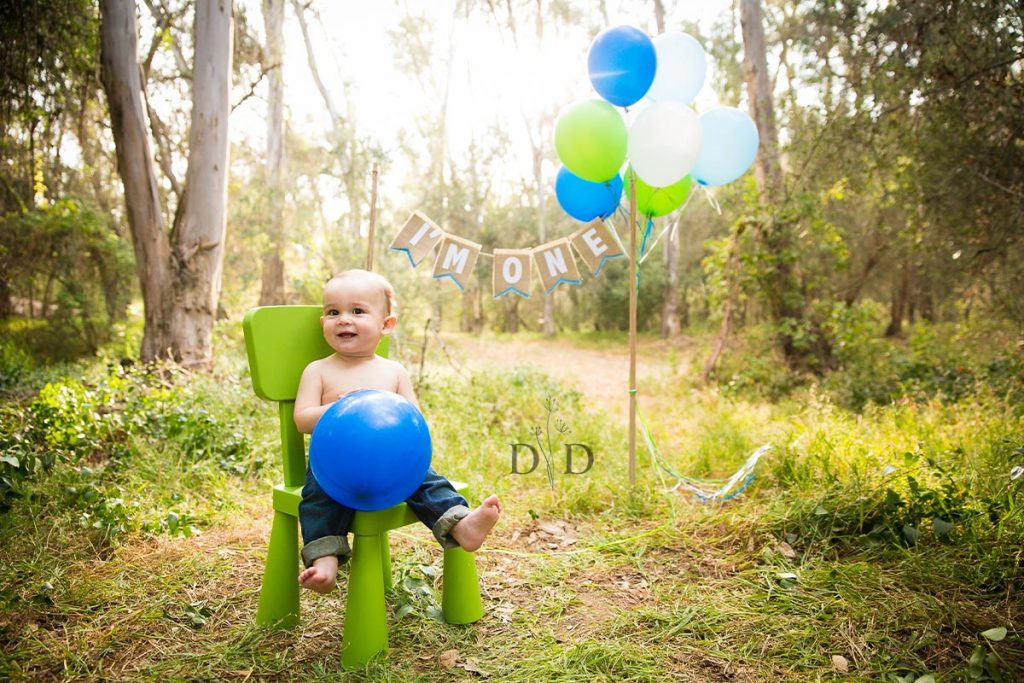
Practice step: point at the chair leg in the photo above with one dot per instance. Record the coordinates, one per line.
(279, 595)
(385, 553)
(366, 630)
(460, 596)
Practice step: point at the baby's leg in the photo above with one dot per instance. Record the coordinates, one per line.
(471, 530)
(322, 576)
(325, 524)
(447, 514)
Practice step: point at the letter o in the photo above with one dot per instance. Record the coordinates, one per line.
(512, 270)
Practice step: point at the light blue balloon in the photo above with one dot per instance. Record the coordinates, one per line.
(730, 145)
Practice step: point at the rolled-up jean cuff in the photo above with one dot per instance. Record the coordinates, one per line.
(324, 546)
(444, 525)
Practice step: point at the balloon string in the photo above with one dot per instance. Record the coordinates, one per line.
(711, 199)
(674, 226)
(643, 244)
(615, 235)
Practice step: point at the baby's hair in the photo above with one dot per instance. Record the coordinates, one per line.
(379, 280)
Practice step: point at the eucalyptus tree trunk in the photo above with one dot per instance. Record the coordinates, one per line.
(768, 169)
(775, 234)
(122, 83)
(272, 285)
(180, 272)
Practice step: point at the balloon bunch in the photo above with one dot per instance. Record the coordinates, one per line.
(668, 145)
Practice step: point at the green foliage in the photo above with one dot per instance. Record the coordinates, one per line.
(948, 362)
(49, 69)
(71, 270)
(15, 365)
(78, 440)
(608, 299)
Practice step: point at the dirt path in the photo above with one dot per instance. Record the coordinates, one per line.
(600, 374)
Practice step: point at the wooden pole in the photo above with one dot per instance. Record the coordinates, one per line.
(632, 328)
(373, 221)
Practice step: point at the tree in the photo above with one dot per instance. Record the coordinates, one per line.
(179, 271)
(799, 334)
(47, 81)
(272, 287)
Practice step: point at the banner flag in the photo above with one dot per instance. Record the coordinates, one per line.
(596, 244)
(512, 272)
(456, 260)
(417, 238)
(555, 264)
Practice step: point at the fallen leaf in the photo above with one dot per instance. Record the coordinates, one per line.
(995, 634)
(786, 550)
(473, 666)
(448, 658)
(840, 664)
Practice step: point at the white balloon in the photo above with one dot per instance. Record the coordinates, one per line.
(664, 143)
(682, 65)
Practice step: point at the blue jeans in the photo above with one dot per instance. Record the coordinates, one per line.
(325, 522)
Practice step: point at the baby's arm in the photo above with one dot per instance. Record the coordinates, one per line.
(405, 385)
(307, 399)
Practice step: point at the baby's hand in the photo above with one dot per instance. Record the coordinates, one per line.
(350, 391)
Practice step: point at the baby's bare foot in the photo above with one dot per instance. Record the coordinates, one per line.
(322, 576)
(471, 530)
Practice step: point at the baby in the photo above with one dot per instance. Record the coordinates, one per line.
(359, 309)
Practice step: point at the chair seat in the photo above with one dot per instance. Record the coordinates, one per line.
(287, 498)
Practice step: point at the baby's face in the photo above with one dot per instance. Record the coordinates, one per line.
(355, 316)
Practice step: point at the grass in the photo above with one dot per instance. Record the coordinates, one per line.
(136, 550)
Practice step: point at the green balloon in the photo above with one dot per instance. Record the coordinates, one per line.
(657, 201)
(590, 138)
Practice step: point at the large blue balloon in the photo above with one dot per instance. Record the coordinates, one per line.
(730, 145)
(370, 450)
(584, 200)
(621, 64)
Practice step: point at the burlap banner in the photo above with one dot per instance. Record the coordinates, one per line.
(512, 272)
(596, 243)
(555, 265)
(456, 260)
(417, 238)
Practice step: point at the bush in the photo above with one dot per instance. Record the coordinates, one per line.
(69, 269)
(82, 437)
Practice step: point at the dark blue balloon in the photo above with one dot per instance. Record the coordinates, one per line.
(370, 450)
(584, 200)
(621, 64)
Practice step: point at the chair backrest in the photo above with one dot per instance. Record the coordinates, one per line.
(280, 341)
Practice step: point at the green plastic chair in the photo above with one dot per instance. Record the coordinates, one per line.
(280, 341)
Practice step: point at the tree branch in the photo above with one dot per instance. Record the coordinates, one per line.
(336, 118)
(264, 70)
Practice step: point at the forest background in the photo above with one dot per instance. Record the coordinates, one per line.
(868, 271)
